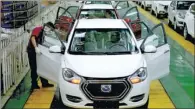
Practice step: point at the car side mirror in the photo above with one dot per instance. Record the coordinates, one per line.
(55, 49)
(192, 11)
(149, 49)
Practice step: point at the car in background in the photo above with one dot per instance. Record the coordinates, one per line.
(189, 22)
(122, 10)
(159, 8)
(138, 2)
(176, 13)
(146, 4)
(103, 65)
(98, 2)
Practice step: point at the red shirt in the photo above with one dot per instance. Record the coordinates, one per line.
(36, 33)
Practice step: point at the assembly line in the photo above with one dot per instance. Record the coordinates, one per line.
(112, 54)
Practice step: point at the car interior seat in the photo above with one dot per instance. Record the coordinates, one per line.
(90, 42)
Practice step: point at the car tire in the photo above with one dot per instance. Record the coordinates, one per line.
(169, 23)
(175, 26)
(59, 103)
(145, 8)
(185, 32)
(151, 11)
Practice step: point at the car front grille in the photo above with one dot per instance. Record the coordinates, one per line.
(93, 89)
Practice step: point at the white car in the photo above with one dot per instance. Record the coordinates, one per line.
(98, 2)
(102, 64)
(189, 22)
(176, 13)
(159, 8)
(146, 4)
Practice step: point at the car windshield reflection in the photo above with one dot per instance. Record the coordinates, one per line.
(102, 41)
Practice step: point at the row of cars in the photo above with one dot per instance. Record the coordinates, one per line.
(180, 14)
(103, 61)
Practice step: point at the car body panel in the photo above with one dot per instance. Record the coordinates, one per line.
(189, 21)
(107, 66)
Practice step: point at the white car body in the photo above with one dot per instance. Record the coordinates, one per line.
(103, 68)
(146, 4)
(175, 15)
(189, 21)
(160, 7)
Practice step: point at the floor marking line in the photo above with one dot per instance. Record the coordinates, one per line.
(40, 98)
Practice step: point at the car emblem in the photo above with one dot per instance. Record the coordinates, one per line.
(106, 88)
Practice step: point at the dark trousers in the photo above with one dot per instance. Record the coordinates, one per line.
(33, 67)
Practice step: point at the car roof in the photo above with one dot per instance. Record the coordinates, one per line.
(100, 23)
(97, 6)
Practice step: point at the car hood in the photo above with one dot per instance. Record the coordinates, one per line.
(164, 2)
(109, 66)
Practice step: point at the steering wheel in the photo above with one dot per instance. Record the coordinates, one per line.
(118, 45)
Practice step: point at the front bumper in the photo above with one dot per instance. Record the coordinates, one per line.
(131, 99)
(180, 22)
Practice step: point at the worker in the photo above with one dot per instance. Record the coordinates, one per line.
(33, 49)
(108, 14)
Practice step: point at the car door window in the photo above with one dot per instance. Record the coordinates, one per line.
(65, 14)
(158, 38)
(172, 3)
(140, 30)
(122, 5)
(50, 39)
(63, 29)
(132, 14)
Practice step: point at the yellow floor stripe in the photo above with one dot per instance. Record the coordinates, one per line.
(40, 98)
(158, 96)
(43, 98)
(170, 32)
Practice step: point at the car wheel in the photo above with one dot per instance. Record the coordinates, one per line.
(58, 100)
(175, 25)
(169, 23)
(151, 11)
(59, 104)
(185, 32)
(145, 7)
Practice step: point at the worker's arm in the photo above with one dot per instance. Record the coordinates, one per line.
(33, 41)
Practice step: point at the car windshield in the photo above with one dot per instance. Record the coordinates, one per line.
(102, 41)
(97, 13)
(184, 5)
(98, 2)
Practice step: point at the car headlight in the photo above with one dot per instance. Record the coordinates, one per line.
(180, 15)
(139, 76)
(70, 76)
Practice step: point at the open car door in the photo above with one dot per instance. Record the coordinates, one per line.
(48, 63)
(67, 15)
(140, 30)
(157, 62)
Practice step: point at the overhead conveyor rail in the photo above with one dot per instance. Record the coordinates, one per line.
(13, 57)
